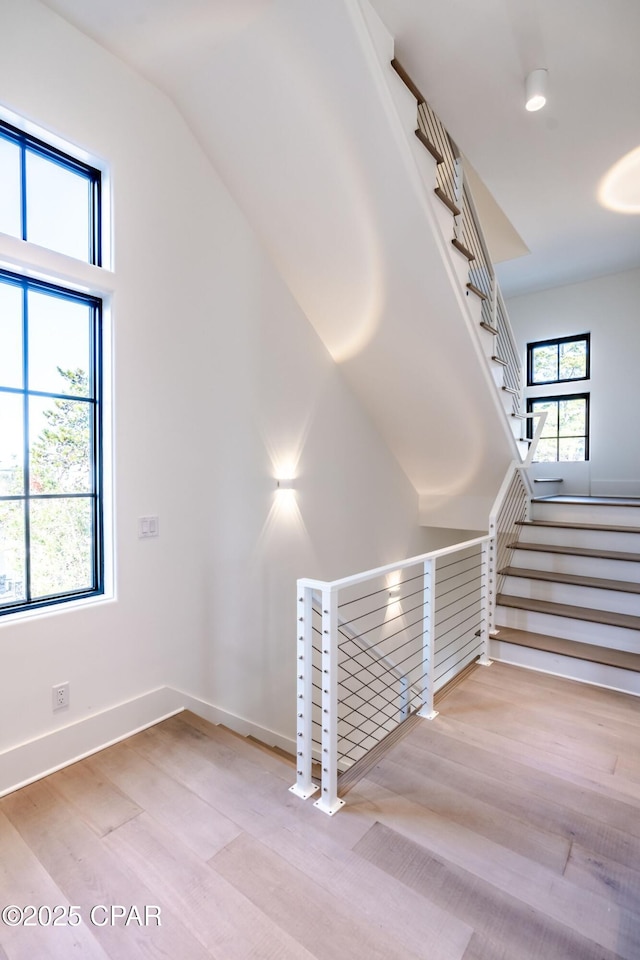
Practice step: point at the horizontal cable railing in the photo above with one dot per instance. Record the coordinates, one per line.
(374, 648)
(460, 592)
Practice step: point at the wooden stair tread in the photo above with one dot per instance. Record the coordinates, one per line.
(424, 140)
(570, 648)
(406, 79)
(577, 551)
(595, 583)
(607, 527)
(571, 500)
(463, 250)
(606, 617)
(487, 326)
(441, 195)
(479, 293)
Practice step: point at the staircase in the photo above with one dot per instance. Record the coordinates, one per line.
(459, 225)
(569, 602)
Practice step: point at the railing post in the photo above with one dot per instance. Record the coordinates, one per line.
(494, 298)
(458, 188)
(428, 640)
(329, 802)
(404, 698)
(488, 598)
(304, 786)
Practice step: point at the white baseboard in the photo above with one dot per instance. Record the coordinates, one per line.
(33, 759)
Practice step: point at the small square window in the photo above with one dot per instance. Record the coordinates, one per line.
(558, 361)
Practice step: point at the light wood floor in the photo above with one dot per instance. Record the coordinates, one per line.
(506, 829)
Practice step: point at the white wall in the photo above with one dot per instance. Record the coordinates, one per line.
(606, 307)
(218, 376)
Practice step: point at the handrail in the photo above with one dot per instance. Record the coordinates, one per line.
(390, 567)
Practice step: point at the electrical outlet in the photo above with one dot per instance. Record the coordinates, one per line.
(60, 696)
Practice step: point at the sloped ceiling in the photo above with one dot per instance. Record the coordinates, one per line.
(470, 59)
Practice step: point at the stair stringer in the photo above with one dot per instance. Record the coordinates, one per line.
(401, 108)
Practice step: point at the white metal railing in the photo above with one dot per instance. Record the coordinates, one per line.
(377, 650)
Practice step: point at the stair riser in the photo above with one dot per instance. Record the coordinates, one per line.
(406, 105)
(547, 489)
(579, 566)
(592, 539)
(616, 638)
(577, 596)
(507, 402)
(582, 670)
(585, 513)
(487, 339)
(443, 216)
(497, 372)
(461, 265)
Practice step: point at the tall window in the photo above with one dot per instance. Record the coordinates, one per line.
(51, 544)
(565, 435)
(558, 361)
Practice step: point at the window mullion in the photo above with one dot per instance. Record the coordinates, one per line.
(26, 470)
(23, 191)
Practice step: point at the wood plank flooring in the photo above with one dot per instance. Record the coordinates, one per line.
(508, 828)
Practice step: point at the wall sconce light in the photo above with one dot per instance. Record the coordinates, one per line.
(536, 90)
(285, 484)
(394, 593)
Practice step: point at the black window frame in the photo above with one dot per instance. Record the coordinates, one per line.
(26, 141)
(94, 398)
(557, 398)
(556, 341)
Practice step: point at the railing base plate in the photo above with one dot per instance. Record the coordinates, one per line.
(304, 793)
(329, 808)
(485, 662)
(428, 715)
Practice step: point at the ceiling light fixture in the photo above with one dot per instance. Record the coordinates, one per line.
(536, 90)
